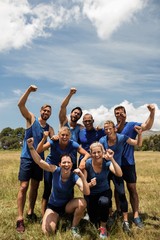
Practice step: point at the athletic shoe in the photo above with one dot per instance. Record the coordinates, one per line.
(138, 222)
(75, 232)
(20, 226)
(32, 217)
(126, 227)
(103, 233)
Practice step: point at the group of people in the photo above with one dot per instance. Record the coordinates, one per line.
(83, 155)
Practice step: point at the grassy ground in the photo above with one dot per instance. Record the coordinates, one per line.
(148, 171)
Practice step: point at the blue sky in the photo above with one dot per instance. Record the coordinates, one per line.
(108, 49)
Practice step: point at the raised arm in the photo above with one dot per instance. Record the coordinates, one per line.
(22, 105)
(85, 154)
(81, 182)
(63, 111)
(36, 157)
(43, 145)
(149, 122)
(137, 141)
(114, 167)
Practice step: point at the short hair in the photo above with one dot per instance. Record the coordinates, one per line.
(120, 107)
(65, 155)
(46, 105)
(96, 144)
(88, 114)
(109, 122)
(78, 109)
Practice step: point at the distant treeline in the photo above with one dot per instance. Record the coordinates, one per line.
(13, 139)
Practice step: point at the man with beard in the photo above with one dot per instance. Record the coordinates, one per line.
(71, 123)
(30, 172)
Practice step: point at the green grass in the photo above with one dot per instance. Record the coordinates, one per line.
(148, 171)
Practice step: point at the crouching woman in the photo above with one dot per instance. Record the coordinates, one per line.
(62, 196)
(96, 171)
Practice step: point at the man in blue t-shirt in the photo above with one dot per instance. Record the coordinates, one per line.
(88, 135)
(29, 172)
(128, 161)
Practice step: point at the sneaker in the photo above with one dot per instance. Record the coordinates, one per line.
(32, 217)
(86, 216)
(126, 227)
(20, 226)
(138, 222)
(75, 232)
(103, 233)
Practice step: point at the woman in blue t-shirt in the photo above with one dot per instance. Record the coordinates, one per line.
(62, 199)
(57, 147)
(96, 171)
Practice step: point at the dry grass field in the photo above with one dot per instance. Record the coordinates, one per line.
(148, 171)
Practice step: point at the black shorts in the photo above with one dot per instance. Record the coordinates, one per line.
(59, 210)
(129, 173)
(29, 169)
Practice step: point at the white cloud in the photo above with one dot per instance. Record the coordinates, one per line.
(139, 114)
(21, 22)
(108, 15)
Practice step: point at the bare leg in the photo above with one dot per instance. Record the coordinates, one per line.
(78, 206)
(49, 222)
(33, 195)
(21, 199)
(134, 200)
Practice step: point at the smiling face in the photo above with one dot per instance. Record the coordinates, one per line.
(120, 113)
(88, 121)
(66, 164)
(96, 151)
(45, 112)
(110, 129)
(75, 115)
(64, 135)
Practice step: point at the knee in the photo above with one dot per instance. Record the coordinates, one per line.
(82, 203)
(23, 187)
(132, 189)
(104, 201)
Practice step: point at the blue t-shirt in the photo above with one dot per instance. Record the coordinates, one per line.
(56, 151)
(101, 178)
(87, 137)
(128, 152)
(35, 131)
(118, 147)
(62, 192)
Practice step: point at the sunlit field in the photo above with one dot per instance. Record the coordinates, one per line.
(148, 171)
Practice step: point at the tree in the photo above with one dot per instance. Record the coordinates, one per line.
(11, 138)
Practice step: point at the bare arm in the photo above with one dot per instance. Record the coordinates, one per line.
(51, 132)
(149, 122)
(63, 111)
(81, 182)
(36, 157)
(137, 141)
(86, 155)
(22, 105)
(121, 123)
(43, 145)
(114, 167)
